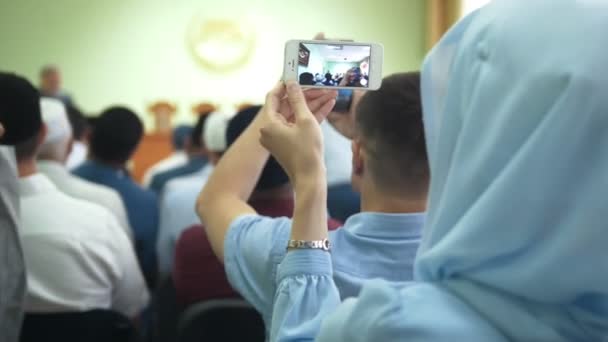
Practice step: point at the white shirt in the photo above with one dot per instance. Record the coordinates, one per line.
(77, 256)
(177, 159)
(177, 212)
(78, 155)
(88, 191)
(337, 154)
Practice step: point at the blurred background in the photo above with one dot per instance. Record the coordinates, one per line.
(226, 52)
(172, 60)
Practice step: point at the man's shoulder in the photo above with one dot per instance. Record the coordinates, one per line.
(78, 214)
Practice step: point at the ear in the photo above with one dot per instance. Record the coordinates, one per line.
(358, 159)
(42, 133)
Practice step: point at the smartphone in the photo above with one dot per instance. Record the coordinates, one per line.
(343, 101)
(335, 64)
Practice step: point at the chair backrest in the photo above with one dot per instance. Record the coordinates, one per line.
(92, 326)
(166, 312)
(221, 320)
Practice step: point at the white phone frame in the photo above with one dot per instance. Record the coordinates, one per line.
(376, 59)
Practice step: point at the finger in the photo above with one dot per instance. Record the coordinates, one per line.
(315, 104)
(319, 36)
(1, 130)
(312, 93)
(297, 101)
(274, 96)
(324, 110)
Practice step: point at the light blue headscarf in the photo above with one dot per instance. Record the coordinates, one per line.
(516, 116)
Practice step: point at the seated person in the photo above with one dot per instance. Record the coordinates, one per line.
(328, 81)
(197, 274)
(197, 158)
(116, 134)
(179, 138)
(306, 78)
(352, 78)
(179, 198)
(390, 169)
(19, 121)
(78, 257)
(51, 162)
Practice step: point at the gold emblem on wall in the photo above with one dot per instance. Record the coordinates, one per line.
(220, 45)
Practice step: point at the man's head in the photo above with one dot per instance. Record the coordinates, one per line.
(307, 78)
(214, 135)
(19, 109)
(273, 176)
(195, 146)
(58, 141)
(180, 136)
(116, 134)
(50, 80)
(389, 148)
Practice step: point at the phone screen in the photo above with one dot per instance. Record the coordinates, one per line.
(325, 64)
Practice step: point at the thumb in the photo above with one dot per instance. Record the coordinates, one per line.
(297, 101)
(272, 134)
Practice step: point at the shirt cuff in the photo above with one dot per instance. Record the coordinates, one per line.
(305, 262)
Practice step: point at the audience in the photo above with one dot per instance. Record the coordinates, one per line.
(81, 131)
(115, 136)
(78, 257)
(179, 198)
(51, 162)
(515, 245)
(50, 84)
(381, 241)
(197, 159)
(198, 275)
(19, 121)
(180, 137)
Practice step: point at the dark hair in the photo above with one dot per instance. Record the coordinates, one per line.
(196, 136)
(19, 109)
(78, 122)
(116, 134)
(307, 78)
(27, 149)
(272, 175)
(180, 135)
(389, 123)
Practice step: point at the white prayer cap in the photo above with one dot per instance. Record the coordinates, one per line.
(55, 117)
(214, 133)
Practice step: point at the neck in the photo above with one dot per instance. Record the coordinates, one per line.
(282, 192)
(27, 167)
(373, 200)
(114, 165)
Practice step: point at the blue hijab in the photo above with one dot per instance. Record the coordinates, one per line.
(516, 115)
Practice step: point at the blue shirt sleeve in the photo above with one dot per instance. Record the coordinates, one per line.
(253, 248)
(305, 294)
(307, 307)
(165, 245)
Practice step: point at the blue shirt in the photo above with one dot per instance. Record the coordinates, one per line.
(369, 245)
(159, 180)
(141, 205)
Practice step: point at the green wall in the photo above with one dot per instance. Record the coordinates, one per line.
(134, 52)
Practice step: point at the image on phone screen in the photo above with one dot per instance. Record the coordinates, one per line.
(324, 64)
